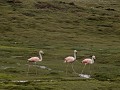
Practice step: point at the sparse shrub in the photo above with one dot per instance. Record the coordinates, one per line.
(95, 18)
(71, 3)
(101, 76)
(12, 70)
(14, 1)
(45, 5)
(53, 73)
(110, 9)
(29, 14)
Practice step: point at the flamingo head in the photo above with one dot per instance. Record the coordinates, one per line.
(93, 57)
(75, 51)
(41, 52)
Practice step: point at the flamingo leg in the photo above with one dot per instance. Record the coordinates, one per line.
(66, 68)
(83, 68)
(36, 68)
(90, 69)
(28, 69)
(73, 69)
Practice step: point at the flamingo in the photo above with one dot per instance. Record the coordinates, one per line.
(70, 59)
(87, 61)
(35, 59)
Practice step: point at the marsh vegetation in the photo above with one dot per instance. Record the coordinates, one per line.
(57, 27)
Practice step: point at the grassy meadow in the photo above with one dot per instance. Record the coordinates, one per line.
(58, 27)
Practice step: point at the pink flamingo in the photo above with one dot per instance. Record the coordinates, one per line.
(70, 59)
(35, 59)
(88, 61)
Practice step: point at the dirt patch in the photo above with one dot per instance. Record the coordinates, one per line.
(14, 1)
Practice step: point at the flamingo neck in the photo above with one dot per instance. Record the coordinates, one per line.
(75, 55)
(92, 60)
(40, 56)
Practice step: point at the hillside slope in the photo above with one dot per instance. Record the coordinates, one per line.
(58, 27)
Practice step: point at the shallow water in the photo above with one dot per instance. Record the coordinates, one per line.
(84, 75)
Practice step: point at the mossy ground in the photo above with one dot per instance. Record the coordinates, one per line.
(58, 27)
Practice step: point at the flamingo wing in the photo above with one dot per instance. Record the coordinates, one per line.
(69, 59)
(33, 59)
(86, 61)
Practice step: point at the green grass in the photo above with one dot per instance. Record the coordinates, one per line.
(58, 27)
